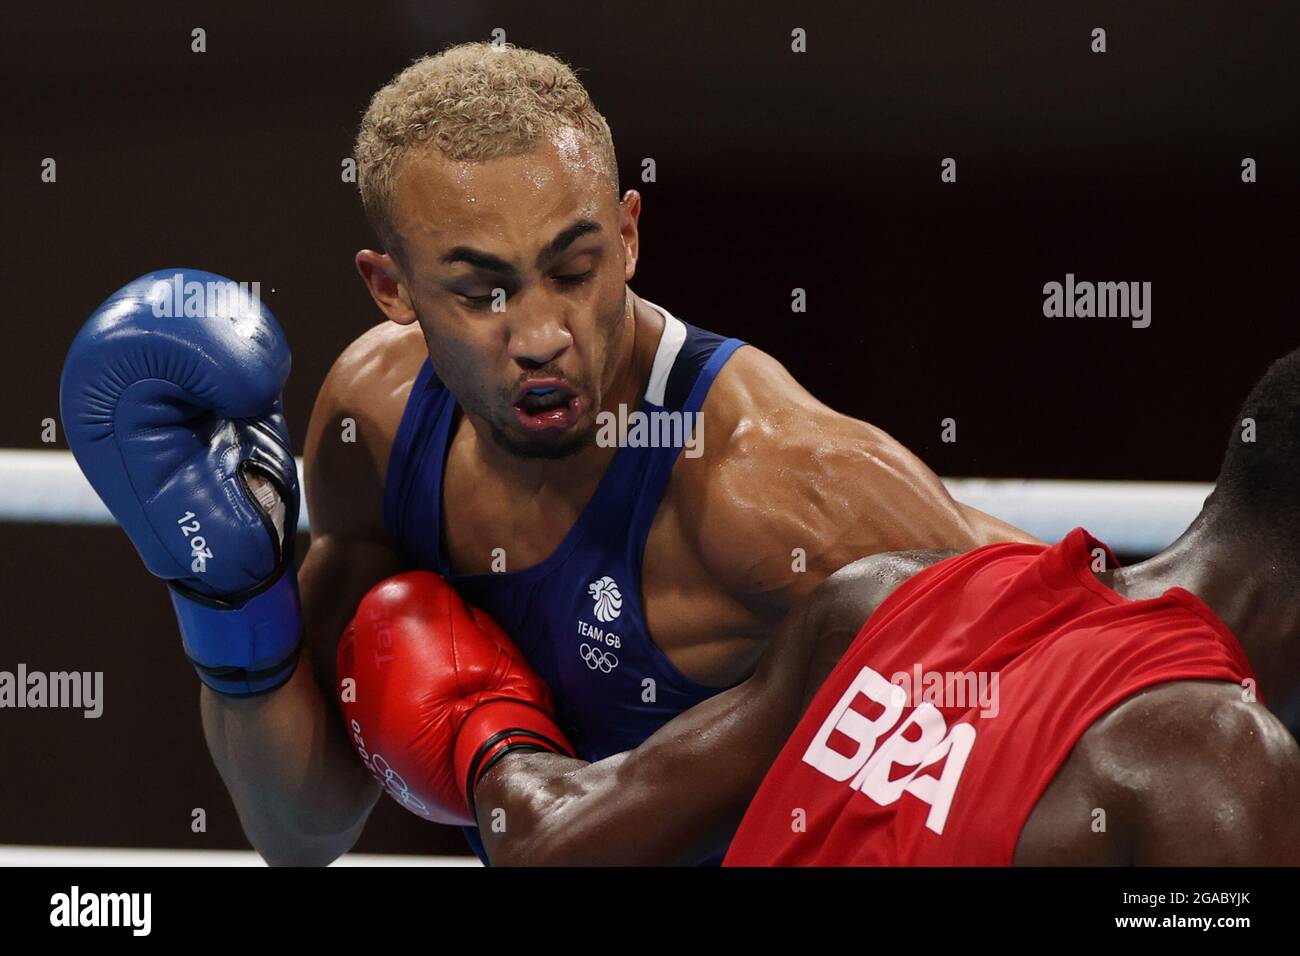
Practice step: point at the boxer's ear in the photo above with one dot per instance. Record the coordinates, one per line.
(383, 278)
(629, 232)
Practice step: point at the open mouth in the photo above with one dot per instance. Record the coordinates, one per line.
(544, 405)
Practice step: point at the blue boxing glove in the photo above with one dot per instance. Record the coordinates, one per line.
(170, 400)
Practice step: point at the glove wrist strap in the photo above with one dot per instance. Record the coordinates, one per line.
(247, 648)
(497, 727)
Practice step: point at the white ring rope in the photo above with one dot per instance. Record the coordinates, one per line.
(87, 856)
(1134, 517)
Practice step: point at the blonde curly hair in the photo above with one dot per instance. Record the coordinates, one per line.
(472, 101)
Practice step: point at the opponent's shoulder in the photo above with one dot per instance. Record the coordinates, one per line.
(855, 591)
(354, 422)
(1206, 773)
(1177, 722)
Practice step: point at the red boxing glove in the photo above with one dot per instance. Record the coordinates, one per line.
(440, 695)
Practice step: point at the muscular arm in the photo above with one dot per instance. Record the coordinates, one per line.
(1187, 774)
(681, 794)
(782, 473)
(301, 794)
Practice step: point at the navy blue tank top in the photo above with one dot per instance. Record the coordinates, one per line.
(577, 616)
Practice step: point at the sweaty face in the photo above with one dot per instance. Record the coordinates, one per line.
(515, 267)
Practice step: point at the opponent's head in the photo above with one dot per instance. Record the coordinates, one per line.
(490, 178)
(1257, 494)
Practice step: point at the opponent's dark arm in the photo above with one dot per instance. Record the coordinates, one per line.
(680, 795)
(1188, 773)
(1225, 786)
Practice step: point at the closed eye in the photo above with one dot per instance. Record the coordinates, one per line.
(574, 279)
(477, 301)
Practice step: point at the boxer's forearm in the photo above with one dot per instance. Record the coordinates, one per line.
(673, 800)
(301, 794)
(680, 795)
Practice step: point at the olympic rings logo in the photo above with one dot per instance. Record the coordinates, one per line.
(395, 785)
(598, 660)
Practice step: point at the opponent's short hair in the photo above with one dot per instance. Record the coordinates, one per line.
(472, 101)
(1259, 480)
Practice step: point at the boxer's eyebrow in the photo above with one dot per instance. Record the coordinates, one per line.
(490, 263)
(567, 238)
(479, 260)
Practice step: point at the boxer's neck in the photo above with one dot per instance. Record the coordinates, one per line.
(1257, 598)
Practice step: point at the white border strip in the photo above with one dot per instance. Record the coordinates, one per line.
(671, 341)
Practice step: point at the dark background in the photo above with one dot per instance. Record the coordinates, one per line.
(775, 170)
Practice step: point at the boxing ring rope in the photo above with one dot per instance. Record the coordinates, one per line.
(80, 856)
(1133, 517)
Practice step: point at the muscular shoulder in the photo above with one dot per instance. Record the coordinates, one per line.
(373, 375)
(1203, 775)
(755, 404)
(788, 490)
(355, 419)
